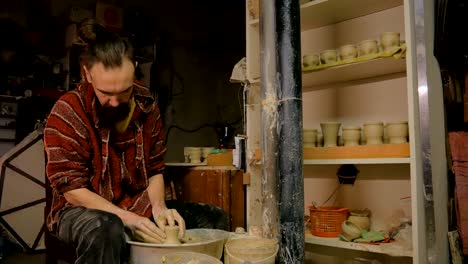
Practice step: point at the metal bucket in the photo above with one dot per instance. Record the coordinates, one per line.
(205, 241)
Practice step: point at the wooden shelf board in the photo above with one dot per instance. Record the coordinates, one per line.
(392, 248)
(319, 13)
(357, 161)
(382, 151)
(363, 154)
(316, 80)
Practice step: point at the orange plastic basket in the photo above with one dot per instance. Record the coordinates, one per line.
(326, 221)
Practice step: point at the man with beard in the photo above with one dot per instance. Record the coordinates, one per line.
(105, 145)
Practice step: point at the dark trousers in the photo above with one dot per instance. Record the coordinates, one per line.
(99, 238)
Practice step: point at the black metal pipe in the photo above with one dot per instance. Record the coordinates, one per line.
(281, 85)
(291, 209)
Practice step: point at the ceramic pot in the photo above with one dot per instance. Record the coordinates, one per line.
(310, 60)
(319, 139)
(374, 133)
(330, 133)
(351, 136)
(186, 154)
(195, 155)
(328, 56)
(350, 230)
(363, 222)
(348, 52)
(310, 137)
(389, 40)
(397, 132)
(367, 47)
(205, 152)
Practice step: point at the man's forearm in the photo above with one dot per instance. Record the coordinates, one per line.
(86, 198)
(156, 193)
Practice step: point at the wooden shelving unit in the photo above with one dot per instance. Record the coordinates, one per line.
(382, 89)
(315, 80)
(393, 248)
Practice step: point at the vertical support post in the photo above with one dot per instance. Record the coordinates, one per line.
(290, 153)
(269, 93)
(430, 183)
(283, 182)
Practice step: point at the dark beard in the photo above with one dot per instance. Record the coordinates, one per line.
(109, 116)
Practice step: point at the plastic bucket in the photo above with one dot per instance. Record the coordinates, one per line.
(251, 250)
(188, 258)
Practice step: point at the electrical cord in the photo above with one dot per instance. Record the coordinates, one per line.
(214, 126)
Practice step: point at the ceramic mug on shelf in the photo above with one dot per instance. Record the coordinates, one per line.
(195, 155)
(389, 40)
(330, 133)
(348, 52)
(368, 47)
(351, 136)
(310, 60)
(328, 56)
(310, 137)
(319, 139)
(397, 132)
(374, 133)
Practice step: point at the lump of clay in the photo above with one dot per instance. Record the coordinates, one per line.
(172, 235)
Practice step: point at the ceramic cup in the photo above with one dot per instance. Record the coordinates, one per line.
(330, 133)
(187, 154)
(205, 152)
(328, 56)
(367, 47)
(389, 40)
(319, 139)
(397, 132)
(310, 137)
(350, 230)
(195, 155)
(351, 136)
(310, 60)
(362, 222)
(374, 133)
(348, 52)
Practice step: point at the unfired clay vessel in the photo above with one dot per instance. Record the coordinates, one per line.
(348, 52)
(310, 137)
(351, 136)
(330, 133)
(397, 132)
(367, 47)
(389, 40)
(310, 60)
(360, 218)
(172, 235)
(328, 56)
(350, 230)
(373, 132)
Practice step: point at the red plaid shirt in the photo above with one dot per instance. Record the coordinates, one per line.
(82, 154)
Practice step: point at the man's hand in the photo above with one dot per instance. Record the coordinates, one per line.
(143, 229)
(169, 217)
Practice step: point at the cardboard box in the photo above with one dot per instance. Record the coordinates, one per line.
(220, 159)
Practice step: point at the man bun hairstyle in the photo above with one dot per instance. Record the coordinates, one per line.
(104, 47)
